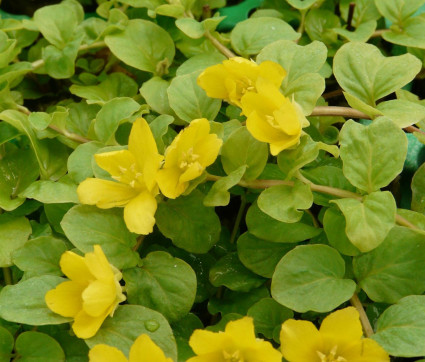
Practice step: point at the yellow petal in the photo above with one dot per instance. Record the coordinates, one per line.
(206, 342)
(104, 353)
(65, 299)
(211, 357)
(197, 130)
(139, 214)
(86, 326)
(367, 350)
(300, 341)
(212, 81)
(242, 332)
(261, 130)
(98, 297)
(98, 264)
(287, 118)
(145, 350)
(341, 328)
(273, 72)
(168, 181)
(208, 150)
(277, 147)
(104, 194)
(75, 268)
(142, 145)
(193, 171)
(116, 161)
(262, 352)
(267, 88)
(259, 103)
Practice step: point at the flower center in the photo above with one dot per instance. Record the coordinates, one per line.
(233, 357)
(130, 176)
(271, 120)
(331, 356)
(188, 159)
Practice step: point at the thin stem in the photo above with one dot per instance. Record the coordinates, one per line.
(302, 24)
(331, 94)
(100, 44)
(238, 219)
(403, 222)
(378, 33)
(7, 274)
(338, 111)
(412, 129)
(139, 242)
(350, 16)
(220, 47)
(71, 136)
(367, 327)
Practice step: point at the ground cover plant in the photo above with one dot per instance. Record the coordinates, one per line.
(196, 180)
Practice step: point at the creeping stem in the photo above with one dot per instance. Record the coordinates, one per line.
(367, 327)
(220, 47)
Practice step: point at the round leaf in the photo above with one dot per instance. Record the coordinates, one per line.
(38, 347)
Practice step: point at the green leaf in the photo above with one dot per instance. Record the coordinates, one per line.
(182, 331)
(200, 62)
(40, 256)
(251, 35)
(356, 103)
(18, 169)
(398, 11)
(58, 22)
(163, 283)
(401, 328)
(268, 314)
(38, 347)
(320, 24)
(365, 73)
(368, 221)
(190, 101)
(128, 323)
(362, 33)
(7, 49)
(411, 34)
(283, 202)
(301, 63)
(79, 161)
(395, 269)
(241, 149)
(364, 11)
(115, 85)
(418, 190)
(192, 28)
(14, 233)
(188, 223)
(50, 192)
(334, 225)
(231, 273)
(155, 93)
(372, 155)
(159, 128)
(310, 277)
(143, 45)
(301, 4)
(6, 345)
(259, 255)
(219, 194)
(265, 227)
(403, 113)
(106, 228)
(24, 302)
(111, 115)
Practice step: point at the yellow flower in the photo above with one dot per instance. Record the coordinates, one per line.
(92, 293)
(272, 117)
(232, 79)
(236, 344)
(142, 350)
(135, 171)
(338, 340)
(186, 158)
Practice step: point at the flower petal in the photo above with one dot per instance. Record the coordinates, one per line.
(205, 342)
(98, 297)
(142, 145)
(66, 299)
(212, 81)
(104, 353)
(367, 350)
(261, 130)
(263, 352)
(196, 132)
(139, 214)
(342, 328)
(86, 326)
(104, 194)
(300, 341)
(242, 332)
(168, 181)
(75, 268)
(272, 71)
(145, 350)
(208, 150)
(210, 357)
(114, 162)
(193, 171)
(98, 264)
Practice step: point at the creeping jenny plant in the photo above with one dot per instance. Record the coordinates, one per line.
(175, 189)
